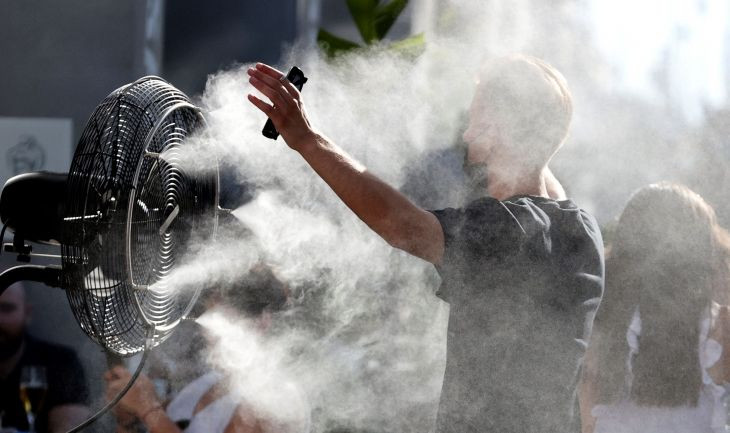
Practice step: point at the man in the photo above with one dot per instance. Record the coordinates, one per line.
(522, 270)
(208, 403)
(64, 405)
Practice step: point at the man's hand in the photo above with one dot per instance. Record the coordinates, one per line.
(139, 400)
(286, 109)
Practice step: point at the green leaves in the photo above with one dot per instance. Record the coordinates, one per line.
(332, 45)
(363, 12)
(385, 16)
(373, 18)
(413, 45)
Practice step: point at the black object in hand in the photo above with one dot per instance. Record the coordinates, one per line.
(297, 78)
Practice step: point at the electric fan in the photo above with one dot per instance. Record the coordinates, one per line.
(128, 211)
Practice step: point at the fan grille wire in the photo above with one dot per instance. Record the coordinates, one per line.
(114, 308)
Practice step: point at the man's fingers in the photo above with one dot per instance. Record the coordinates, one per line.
(276, 84)
(117, 383)
(270, 92)
(277, 75)
(268, 70)
(267, 109)
(293, 91)
(118, 371)
(261, 105)
(113, 388)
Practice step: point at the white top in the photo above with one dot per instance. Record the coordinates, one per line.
(709, 416)
(213, 418)
(292, 411)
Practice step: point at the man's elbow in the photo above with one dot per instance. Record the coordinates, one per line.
(418, 234)
(396, 239)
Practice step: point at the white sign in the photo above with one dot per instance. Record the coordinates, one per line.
(33, 144)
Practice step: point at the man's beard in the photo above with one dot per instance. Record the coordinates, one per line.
(10, 345)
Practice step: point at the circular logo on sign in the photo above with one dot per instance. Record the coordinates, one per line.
(25, 156)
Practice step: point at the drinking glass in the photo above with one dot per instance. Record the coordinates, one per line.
(33, 388)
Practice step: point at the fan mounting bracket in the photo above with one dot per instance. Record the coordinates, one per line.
(19, 247)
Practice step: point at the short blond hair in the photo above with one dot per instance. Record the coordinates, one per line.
(530, 102)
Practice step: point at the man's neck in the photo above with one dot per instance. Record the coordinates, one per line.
(505, 181)
(7, 365)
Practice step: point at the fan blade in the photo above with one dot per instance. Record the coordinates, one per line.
(170, 218)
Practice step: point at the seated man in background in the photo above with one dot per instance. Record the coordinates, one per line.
(207, 404)
(64, 404)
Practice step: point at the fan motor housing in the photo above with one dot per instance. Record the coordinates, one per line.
(31, 203)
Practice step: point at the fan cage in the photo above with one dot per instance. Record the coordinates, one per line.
(126, 182)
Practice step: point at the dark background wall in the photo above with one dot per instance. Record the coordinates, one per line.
(202, 38)
(61, 58)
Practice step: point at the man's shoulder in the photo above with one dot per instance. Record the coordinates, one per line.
(478, 209)
(473, 218)
(561, 221)
(547, 204)
(507, 224)
(517, 203)
(563, 214)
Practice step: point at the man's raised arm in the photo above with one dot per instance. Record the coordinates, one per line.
(385, 210)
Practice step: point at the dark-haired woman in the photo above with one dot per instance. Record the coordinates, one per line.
(655, 362)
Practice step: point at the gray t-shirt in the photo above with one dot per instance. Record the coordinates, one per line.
(523, 278)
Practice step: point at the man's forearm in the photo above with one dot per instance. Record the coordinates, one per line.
(372, 200)
(384, 209)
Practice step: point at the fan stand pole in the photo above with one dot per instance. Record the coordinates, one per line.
(147, 346)
(48, 275)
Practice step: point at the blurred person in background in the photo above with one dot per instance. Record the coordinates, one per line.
(521, 266)
(657, 360)
(207, 405)
(65, 403)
